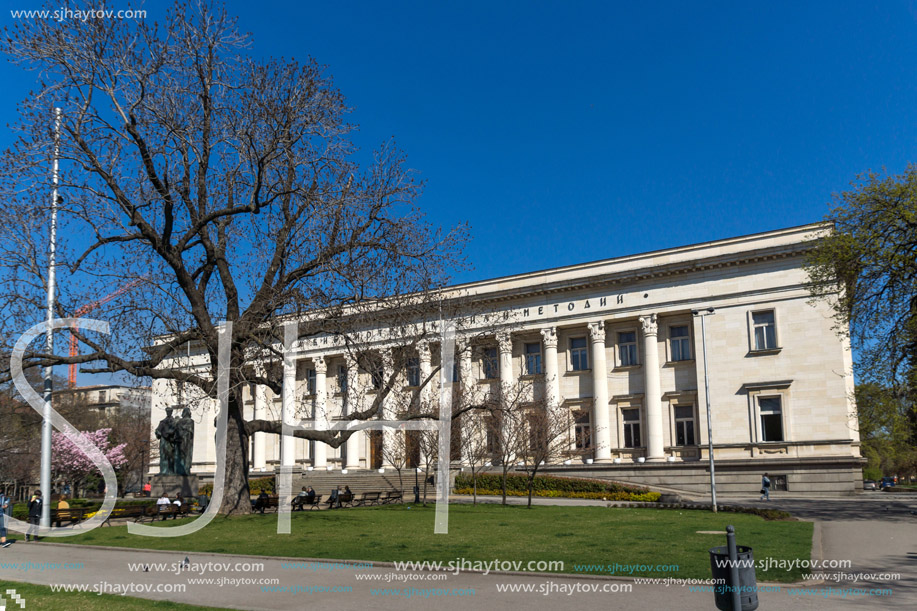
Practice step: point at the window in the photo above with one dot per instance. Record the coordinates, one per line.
(413, 371)
(533, 358)
(771, 413)
(765, 330)
(342, 378)
(631, 428)
(310, 381)
(579, 354)
(627, 348)
(582, 430)
(378, 375)
(103, 396)
(680, 343)
(490, 365)
(684, 425)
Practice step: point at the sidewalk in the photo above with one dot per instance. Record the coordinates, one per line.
(349, 588)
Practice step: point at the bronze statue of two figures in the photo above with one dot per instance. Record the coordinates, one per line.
(176, 443)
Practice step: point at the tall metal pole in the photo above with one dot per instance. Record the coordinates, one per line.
(49, 341)
(703, 328)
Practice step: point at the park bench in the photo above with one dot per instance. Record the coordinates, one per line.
(345, 499)
(301, 502)
(130, 512)
(165, 511)
(391, 496)
(315, 504)
(368, 498)
(71, 515)
(269, 503)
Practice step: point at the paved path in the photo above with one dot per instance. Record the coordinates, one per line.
(858, 529)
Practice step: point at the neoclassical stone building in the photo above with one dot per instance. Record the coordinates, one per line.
(619, 343)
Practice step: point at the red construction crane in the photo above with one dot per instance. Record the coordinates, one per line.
(86, 309)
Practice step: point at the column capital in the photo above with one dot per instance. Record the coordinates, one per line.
(505, 342)
(648, 323)
(549, 336)
(321, 367)
(423, 350)
(597, 332)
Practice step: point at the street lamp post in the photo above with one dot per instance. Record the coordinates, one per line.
(45, 466)
(703, 328)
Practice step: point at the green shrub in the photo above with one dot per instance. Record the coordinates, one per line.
(255, 486)
(873, 473)
(646, 497)
(547, 483)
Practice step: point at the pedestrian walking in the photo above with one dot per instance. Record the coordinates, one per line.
(765, 488)
(35, 505)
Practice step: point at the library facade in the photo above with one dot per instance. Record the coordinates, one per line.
(630, 346)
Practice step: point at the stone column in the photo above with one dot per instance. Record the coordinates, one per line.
(551, 379)
(259, 456)
(601, 423)
(288, 410)
(388, 370)
(320, 413)
(467, 393)
(423, 360)
(506, 378)
(354, 400)
(653, 390)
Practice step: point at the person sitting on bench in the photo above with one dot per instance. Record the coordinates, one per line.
(300, 499)
(335, 499)
(262, 502)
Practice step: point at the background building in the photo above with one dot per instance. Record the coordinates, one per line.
(615, 342)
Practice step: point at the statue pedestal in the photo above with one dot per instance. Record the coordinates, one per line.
(171, 485)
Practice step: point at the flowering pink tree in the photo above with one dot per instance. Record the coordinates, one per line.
(70, 464)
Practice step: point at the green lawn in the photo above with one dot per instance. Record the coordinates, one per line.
(574, 535)
(41, 597)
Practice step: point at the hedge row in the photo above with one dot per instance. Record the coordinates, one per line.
(546, 483)
(255, 486)
(646, 497)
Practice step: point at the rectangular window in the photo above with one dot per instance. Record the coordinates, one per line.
(342, 378)
(413, 371)
(631, 428)
(582, 430)
(680, 343)
(627, 348)
(103, 396)
(490, 364)
(377, 375)
(764, 329)
(533, 358)
(310, 381)
(579, 354)
(771, 413)
(684, 425)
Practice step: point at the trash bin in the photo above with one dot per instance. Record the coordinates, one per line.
(748, 590)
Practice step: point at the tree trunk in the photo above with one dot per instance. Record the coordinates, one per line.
(474, 480)
(504, 486)
(236, 496)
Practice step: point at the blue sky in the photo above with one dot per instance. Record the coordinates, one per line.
(565, 132)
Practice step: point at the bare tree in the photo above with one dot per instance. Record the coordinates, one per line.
(504, 422)
(545, 437)
(228, 186)
(475, 451)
